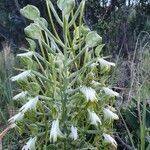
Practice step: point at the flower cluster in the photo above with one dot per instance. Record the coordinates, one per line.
(64, 84)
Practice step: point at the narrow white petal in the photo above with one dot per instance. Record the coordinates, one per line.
(20, 95)
(16, 117)
(31, 104)
(105, 63)
(27, 54)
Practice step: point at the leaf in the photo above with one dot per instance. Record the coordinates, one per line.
(31, 12)
(33, 31)
(98, 49)
(93, 39)
(66, 6)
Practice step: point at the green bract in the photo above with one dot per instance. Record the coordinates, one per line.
(42, 21)
(33, 31)
(66, 6)
(98, 49)
(93, 39)
(31, 12)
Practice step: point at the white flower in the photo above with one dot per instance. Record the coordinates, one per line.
(20, 95)
(55, 131)
(110, 92)
(27, 54)
(22, 76)
(94, 119)
(89, 93)
(109, 115)
(30, 145)
(31, 104)
(109, 139)
(16, 117)
(73, 134)
(105, 63)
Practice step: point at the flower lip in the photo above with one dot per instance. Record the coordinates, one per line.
(55, 131)
(110, 92)
(109, 139)
(30, 145)
(94, 119)
(73, 135)
(109, 115)
(89, 93)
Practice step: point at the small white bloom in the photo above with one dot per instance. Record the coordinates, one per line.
(110, 92)
(95, 83)
(31, 104)
(20, 95)
(74, 134)
(105, 63)
(94, 119)
(109, 139)
(22, 76)
(89, 93)
(55, 131)
(27, 54)
(109, 115)
(30, 145)
(16, 117)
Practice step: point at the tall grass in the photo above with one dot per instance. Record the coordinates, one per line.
(136, 99)
(7, 62)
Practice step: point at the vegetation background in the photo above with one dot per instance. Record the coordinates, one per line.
(125, 27)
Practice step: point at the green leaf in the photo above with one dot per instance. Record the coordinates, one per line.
(31, 12)
(98, 49)
(66, 6)
(93, 39)
(33, 31)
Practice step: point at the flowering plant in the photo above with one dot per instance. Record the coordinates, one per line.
(66, 104)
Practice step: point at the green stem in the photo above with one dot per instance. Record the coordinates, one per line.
(51, 20)
(64, 99)
(55, 13)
